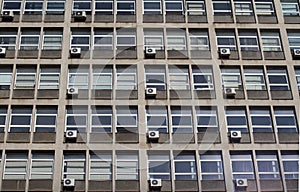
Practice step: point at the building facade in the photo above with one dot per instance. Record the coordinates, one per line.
(149, 95)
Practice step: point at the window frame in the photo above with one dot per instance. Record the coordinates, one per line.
(163, 159)
(288, 112)
(174, 11)
(81, 1)
(124, 11)
(183, 113)
(163, 112)
(95, 44)
(55, 11)
(241, 10)
(188, 158)
(99, 11)
(242, 174)
(24, 160)
(25, 46)
(274, 161)
(79, 128)
(280, 72)
(267, 47)
(290, 13)
(190, 12)
(79, 85)
(104, 127)
(218, 160)
(236, 112)
(201, 111)
(44, 45)
(158, 47)
(9, 46)
(264, 11)
(80, 45)
(37, 114)
(32, 11)
(131, 157)
(51, 160)
(222, 11)
(20, 126)
(126, 86)
(174, 82)
(252, 82)
(78, 160)
(16, 11)
(51, 74)
(97, 160)
(152, 11)
(290, 158)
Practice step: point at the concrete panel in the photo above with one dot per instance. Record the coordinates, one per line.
(48, 94)
(271, 185)
(251, 55)
(40, 185)
(163, 138)
(264, 137)
(267, 19)
(103, 54)
(183, 138)
(54, 18)
(103, 18)
(285, 95)
(213, 185)
(292, 185)
(126, 94)
(161, 94)
(239, 95)
(127, 185)
(31, 18)
(126, 54)
(14, 19)
(288, 137)
(292, 19)
(13, 185)
(190, 185)
(175, 18)
(166, 186)
(79, 185)
(10, 54)
(251, 186)
(28, 54)
(101, 94)
(245, 18)
(83, 55)
(205, 94)
(23, 94)
(44, 137)
(18, 138)
(245, 139)
(160, 54)
(260, 95)
(83, 94)
(126, 18)
(152, 18)
(51, 54)
(180, 94)
(223, 19)
(177, 54)
(4, 94)
(101, 137)
(127, 137)
(200, 54)
(197, 19)
(100, 186)
(274, 55)
(209, 137)
(234, 55)
(2, 137)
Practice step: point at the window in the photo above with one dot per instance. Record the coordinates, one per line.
(198, 39)
(42, 165)
(101, 119)
(104, 7)
(203, 78)
(126, 78)
(211, 166)
(8, 38)
(236, 119)
(261, 119)
(290, 7)
(82, 5)
(80, 38)
(290, 161)
(55, 7)
(154, 38)
(297, 73)
(179, 78)
(267, 164)
(159, 166)
(74, 166)
(127, 166)
(127, 118)
(125, 7)
(5, 77)
(271, 41)
(25, 78)
(49, 78)
(155, 77)
(15, 167)
(278, 79)
(14, 6)
(103, 39)
(285, 119)
(226, 39)
(45, 119)
(29, 39)
(207, 119)
(152, 7)
(181, 119)
(195, 8)
(248, 40)
(3, 116)
(221, 7)
(294, 39)
(185, 166)
(264, 7)
(243, 7)
(174, 7)
(78, 78)
(176, 39)
(102, 78)
(52, 39)
(33, 7)
(157, 118)
(100, 166)
(231, 78)
(20, 119)
(254, 79)
(242, 165)
(126, 38)
(76, 118)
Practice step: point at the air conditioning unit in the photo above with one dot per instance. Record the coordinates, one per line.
(75, 51)
(79, 14)
(235, 134)
(72, 91)
(2, 51)
(71, 134)
(150, 51)
(7, 14)
(150, 91)
(241, 182)
(225, 52)
(230, 92)
(296, 53)
(69, 183)
(153, 135)
(155, 183)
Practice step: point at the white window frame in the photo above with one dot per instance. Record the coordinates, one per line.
(163, 158)
(25, 85)
(230, 113)
(77, 127)
(191, 161)
(199, 47)
(25, 160)
(207, 75)
(94, 85)
(76, 84)
(183, 128)
(237, 84)
(44, 46)
(150, 113)
(101, 126)
(152, 10)
(223, 10)
(79, 160)
(9, 45)
(3, 126)
(25, 46)
(249, 47)
(289, 112)
(14, 10)
(297, 75)
(271, 47)
(48, 11)
(174, 10)
(105, 160)
(133, 158)
(126, 86)
(231, 47)
(17, 126)
(6, 83)
(103, 45)
(128, 115)
(156, 84)
(274, 161)
(76, 1)
(201, 5)
(176, 46)
(264, 11)
(219, 174)
(290, 158)
(123, 10)
(50, 160)
(104, 10)
(158, 46)
(126, 36)
(264, 112)
(211, 115)
(241, 10)
(173, 84)
(80, 45)
(45, 115)
(51, 84)
(258, 86)
(290, 13)
(286, 84)
(245, 158)
(33, 10)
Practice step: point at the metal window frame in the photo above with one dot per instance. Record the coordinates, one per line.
(161, 46)
(118, 74)
(210, 85)
(64, 173)
(43, 45)
(290, 13)
(175, 46)
(9, 45)
(235, 127)
(91, 160)
(286, 84)
(223, 10)
(55, 10)
(33, 10)
(70, 85)
(14, 10)
(250, 159)
(70, 127)
(260, 12)
(29, 45)
(186, 84)
(80, 1)
(105, 45)
(104, 10)
(48, 84)
(156, 84)
(41, 173)
(174, 10)
(124, 10)
(80, 45)
(201, 11)
(162, 160)
(152, 10)
(219, 161)
(252, 74)
(94, 85)
(101, 126)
